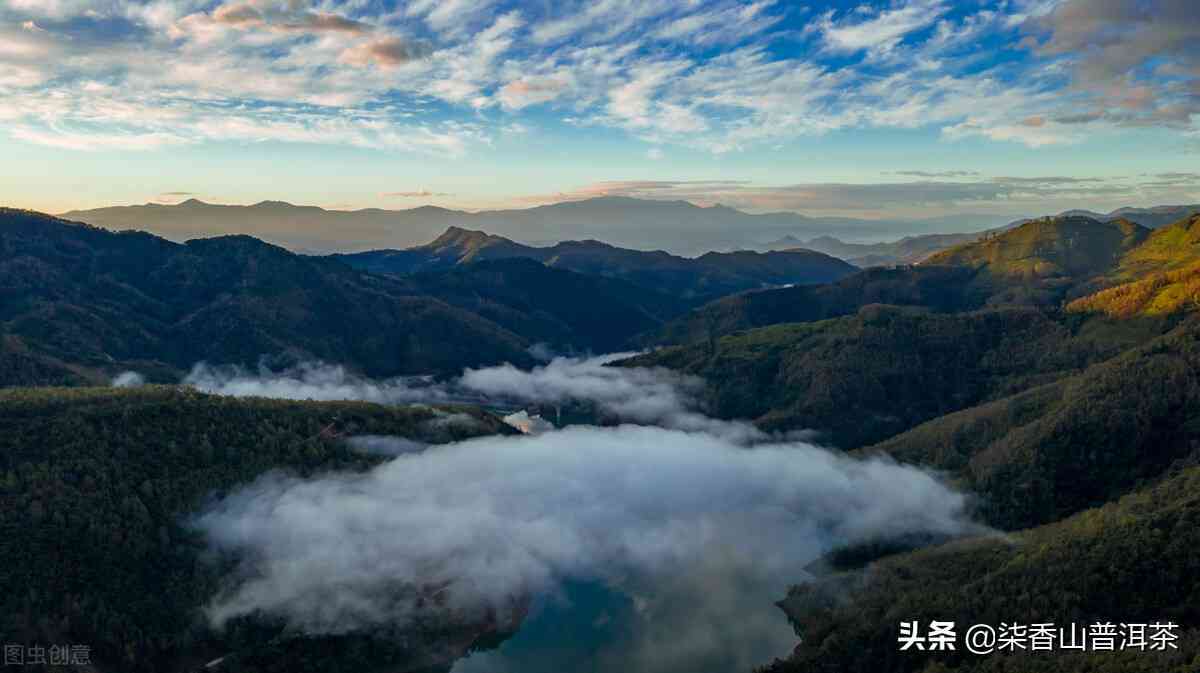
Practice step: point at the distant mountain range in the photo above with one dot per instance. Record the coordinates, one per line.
(908, 250)
(643, 224)
(1151, 218)
(913, 249)
(676, 226)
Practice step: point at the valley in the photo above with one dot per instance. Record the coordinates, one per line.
(1031, 368)
(599, 336)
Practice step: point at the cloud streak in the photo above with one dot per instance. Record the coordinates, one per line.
(932, 192)
(310, 381)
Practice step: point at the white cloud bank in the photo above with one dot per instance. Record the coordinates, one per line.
(484, 522)
(661, 508)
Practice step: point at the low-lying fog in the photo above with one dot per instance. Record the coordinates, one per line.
(656, 544)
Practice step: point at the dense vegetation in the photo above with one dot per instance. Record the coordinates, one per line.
(95, 485)
(1053, 370)
(567, 310)
(1130, 561)
(1159, 277)
(1066, 248)
(691, 280)
(1077, 415)
(1047, 452)
(79, 303)
(1039, 263)
(940, 288)
(863, 378)
(98, 302)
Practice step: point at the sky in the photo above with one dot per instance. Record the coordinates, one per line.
(878, 108)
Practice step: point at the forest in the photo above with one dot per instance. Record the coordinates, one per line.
(97, 486)
(1049, 371)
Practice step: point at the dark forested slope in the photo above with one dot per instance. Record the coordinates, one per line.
(691, 279)
(78, 302)
(862, 378)
(95, 485)
(564, 309)
(1048, 452)
(1130, 561)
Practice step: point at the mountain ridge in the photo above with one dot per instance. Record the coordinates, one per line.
(694, 279)
(1042, 262)
(679, 226)
(100, 300)
(82, 303)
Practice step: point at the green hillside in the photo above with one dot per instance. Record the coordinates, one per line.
(862, 378)
(1159, 277)
(1054, 247)
(95, 485)
(1038, 263)
(1130, 561)
(1049, 451)
(1046, 260)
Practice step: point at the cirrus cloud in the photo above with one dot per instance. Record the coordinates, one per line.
(719, 76)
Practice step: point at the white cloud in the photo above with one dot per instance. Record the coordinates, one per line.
(883, 31)
(451, 16)
(85, 141)
(726, 24)
(309, 381)
(128, 380)
(488, 521)
(705, 75)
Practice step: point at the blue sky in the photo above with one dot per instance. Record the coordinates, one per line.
(890, 108)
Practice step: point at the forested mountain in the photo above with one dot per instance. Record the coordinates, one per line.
(79, 303)
(983, 321)
(692, 279)
(1159, 277)
(1051, 370)
(96, 486)
(934, 288)
(1048, 407)
(1045, 260)
(915, 249)
(862, 378)
(82, 301)
(563, 309)
(1131, 561)
(1052, 450)
(1039, 263)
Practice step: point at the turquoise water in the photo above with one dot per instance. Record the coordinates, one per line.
(706, 623)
